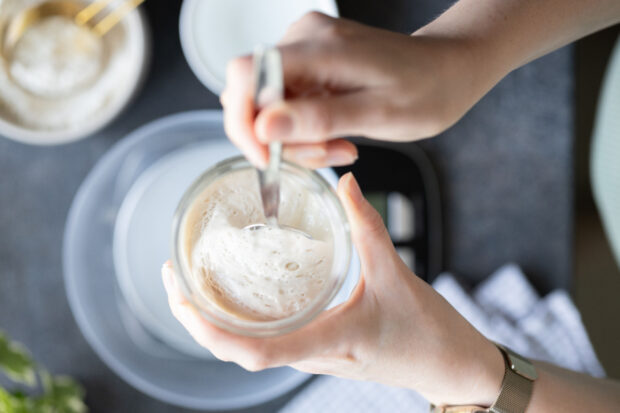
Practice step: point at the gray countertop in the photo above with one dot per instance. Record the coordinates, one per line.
(505, 172)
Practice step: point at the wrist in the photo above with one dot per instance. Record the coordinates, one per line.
(471, 376)
(471, 53)
(461, 76)
(487, 373)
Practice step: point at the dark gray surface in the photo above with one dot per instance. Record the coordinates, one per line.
(506, 173)
(507, 177)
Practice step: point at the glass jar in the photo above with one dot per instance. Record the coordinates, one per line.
(305, 180)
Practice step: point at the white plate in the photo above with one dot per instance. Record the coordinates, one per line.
(215, 31)
(119, 325)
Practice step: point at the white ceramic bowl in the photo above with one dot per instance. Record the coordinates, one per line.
(215, 31)
(138, 38)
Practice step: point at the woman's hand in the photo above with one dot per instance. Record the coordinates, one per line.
(346, 79)
(395, 328)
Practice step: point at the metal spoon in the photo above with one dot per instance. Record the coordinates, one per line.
(269, 88)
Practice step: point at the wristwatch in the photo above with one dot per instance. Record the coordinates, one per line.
(516, 390)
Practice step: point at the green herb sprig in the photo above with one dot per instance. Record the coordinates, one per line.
(45, 393)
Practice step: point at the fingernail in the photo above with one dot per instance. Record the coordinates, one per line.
(278, 128)
(354, 190)
(168, 276)
(338, 158)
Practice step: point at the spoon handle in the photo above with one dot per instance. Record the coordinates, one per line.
(108, 22)
(269, 88)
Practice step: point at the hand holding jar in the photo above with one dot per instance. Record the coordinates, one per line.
(394, 329)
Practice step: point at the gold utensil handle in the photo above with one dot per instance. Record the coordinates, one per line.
(109, 21)
(117, 14)
(91, 11)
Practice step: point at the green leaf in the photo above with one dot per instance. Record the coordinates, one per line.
(62, 395)
(46, 379)
(14, 403)
(6, 401)
(16, 362)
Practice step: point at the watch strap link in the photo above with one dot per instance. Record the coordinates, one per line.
(517, 385)
(515, 393)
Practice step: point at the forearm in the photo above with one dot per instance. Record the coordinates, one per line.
(502, 35)
(560, 390)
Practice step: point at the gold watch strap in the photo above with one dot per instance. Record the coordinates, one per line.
(517, 385)
(514, 395)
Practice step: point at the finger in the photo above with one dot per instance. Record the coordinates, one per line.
(181, 308)
(238, 96)
(318, 118)
(307, 68)
(222, 344)
(368, 232)
(338, 152)
(174, 293)
(239, 111)
(305, 27)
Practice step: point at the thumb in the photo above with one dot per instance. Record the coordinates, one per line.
(368, 232)
(314, 119)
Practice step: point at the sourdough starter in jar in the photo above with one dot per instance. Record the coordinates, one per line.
(266, 274)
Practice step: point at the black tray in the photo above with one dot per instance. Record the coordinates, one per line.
(384, 168)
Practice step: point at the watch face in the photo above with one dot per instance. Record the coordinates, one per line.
(523, 368)
(520, 365)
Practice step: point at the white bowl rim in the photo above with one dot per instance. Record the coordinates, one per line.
(202, 72)
(22, 134)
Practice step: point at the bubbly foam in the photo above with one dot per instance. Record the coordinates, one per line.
(267, 274)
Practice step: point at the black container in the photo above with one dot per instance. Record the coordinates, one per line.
(388, 171)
